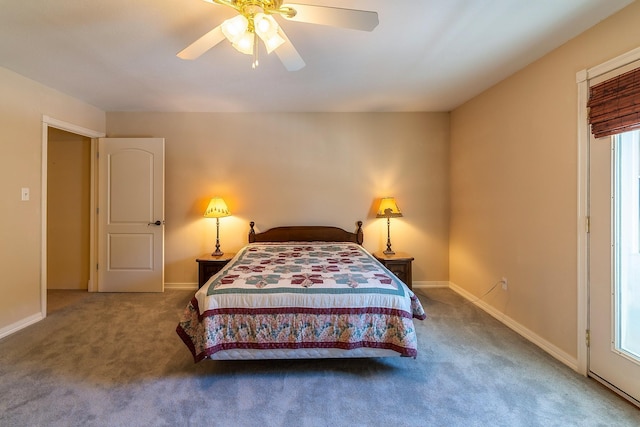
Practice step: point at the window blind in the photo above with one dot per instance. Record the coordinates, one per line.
(614, 105)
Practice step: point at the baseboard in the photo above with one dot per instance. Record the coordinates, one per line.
(181, 286)
(545, 345)
(429, 284)
(15, 327)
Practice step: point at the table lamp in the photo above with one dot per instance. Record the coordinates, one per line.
(388, 209)
(217, 209)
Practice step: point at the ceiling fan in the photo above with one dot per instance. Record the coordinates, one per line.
(255, 21)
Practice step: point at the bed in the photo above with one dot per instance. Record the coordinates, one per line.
(302, 292)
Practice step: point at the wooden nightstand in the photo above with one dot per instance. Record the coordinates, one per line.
(399, 264)
(208, 265)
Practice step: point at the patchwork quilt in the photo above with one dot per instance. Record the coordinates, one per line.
(301, 295)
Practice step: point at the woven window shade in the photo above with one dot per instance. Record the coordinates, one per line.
(614, 105)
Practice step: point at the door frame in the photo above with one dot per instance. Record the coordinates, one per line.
(48, 122)
(582, 79)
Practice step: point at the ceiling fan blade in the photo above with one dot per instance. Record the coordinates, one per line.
(288, 54)
(203, 44)
(363, 20)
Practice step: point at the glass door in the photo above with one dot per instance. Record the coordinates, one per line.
(627, 245)
(614, 262)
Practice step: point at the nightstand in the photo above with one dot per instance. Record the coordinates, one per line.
(399, 264)
(208, 265)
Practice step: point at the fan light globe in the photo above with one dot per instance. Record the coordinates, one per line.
(235, 28)
(265, 25)
(244, 43)
(267, 29)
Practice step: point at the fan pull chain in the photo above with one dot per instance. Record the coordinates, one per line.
(255, 51)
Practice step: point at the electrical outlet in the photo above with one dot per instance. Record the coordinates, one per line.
(505, 283)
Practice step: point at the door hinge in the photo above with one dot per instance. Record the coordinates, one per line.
(587, 224)
(587, 337)
(97, 266)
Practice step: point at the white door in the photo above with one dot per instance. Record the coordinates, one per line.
(131, 215)
(614, 275)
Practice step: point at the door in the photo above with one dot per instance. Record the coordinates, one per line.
(131, 215)
(614, 273)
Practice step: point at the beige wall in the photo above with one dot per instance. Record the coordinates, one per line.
(514, 184)
(68, 221)
(288, 169)
(22, 105)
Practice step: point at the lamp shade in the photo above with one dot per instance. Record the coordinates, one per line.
(388, 208)
(217, 208)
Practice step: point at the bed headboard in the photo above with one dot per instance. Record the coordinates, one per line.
(306, 233)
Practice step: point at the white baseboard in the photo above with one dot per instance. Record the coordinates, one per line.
(181, 286)
(545, 345)
(15, 327)
(430, 284)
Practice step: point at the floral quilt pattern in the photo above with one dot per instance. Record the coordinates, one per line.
(301, 295)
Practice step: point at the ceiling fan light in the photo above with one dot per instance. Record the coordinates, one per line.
(273, 43)
(235, 28)
(265, 25)
(245, 43)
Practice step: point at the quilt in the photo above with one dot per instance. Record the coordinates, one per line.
(300, 295)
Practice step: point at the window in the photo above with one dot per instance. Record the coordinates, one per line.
(627, 242)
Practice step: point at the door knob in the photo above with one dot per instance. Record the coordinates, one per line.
(158, 222)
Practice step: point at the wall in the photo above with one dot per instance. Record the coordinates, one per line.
(295, 169)
(22, 105)
(68, 216)
(514, 185)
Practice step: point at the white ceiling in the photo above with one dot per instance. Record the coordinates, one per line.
(425, 55)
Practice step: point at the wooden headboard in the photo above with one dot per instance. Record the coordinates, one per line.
(306, 233)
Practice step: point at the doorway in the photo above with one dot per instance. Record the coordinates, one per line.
(603, 323)
(68, 206)
(68, 216)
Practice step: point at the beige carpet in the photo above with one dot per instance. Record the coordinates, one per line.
(115, 360)
(57, 299)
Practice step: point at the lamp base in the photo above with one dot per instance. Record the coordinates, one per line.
(388, 251)
(217, 252)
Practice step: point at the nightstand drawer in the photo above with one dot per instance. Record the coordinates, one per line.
(400, 269)
(208, 265)
(399, 264)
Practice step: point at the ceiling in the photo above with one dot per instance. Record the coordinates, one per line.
(425, 55)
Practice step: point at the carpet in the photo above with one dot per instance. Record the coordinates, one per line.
(115, 360)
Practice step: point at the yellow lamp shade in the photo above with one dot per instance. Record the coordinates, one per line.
(388, 208)
(217, 208)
